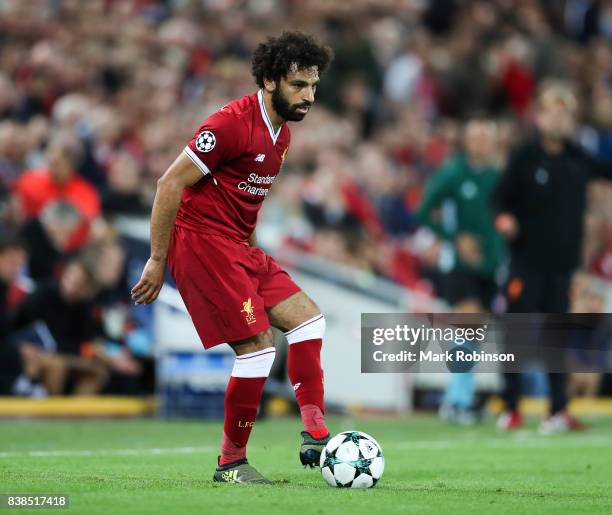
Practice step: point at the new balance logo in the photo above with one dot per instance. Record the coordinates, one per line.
(230, 476)
(296, 386)
(260, 158)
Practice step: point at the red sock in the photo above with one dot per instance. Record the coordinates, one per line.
(241, 402)
(306, 376)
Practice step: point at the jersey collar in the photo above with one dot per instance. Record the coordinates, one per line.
(266, 118)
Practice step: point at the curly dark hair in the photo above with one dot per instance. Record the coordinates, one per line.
(273, 59)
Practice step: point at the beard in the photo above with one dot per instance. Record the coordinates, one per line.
(284, 109)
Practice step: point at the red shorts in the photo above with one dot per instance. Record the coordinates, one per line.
(226, 285)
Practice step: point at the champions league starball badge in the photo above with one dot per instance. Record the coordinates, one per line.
(205, 141)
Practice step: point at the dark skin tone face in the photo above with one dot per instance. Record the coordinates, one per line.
(290, 98)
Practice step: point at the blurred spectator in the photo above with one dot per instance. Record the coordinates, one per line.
(65, 307)
(36, 188)
(48, 238)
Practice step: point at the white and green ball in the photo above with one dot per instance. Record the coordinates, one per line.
(352, 459)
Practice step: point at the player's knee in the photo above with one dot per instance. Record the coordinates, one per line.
(302, 306)
(311, 329)
(260, 341)
(311, 309)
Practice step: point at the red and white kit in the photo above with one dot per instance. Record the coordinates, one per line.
(225, 283)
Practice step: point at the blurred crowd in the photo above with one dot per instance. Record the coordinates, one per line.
(97, 98)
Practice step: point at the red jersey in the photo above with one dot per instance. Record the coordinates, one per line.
(240, 155)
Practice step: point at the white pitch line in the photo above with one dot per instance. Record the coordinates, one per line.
(522, 440)
(109, 452)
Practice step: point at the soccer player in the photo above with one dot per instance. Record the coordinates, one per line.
(203, 223)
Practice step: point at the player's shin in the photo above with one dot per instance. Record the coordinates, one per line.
(242, 400)
(306, 374)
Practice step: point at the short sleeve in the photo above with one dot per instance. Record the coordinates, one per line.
(219, 139)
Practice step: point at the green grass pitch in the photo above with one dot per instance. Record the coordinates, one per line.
(154, 466)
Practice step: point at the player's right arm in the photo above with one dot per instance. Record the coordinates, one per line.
(181, 174)
(219, 139)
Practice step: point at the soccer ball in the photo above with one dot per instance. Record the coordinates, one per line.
(352, 459)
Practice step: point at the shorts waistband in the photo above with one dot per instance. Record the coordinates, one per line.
(211, 233)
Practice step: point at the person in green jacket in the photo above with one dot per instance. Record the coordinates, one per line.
(456, 207)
